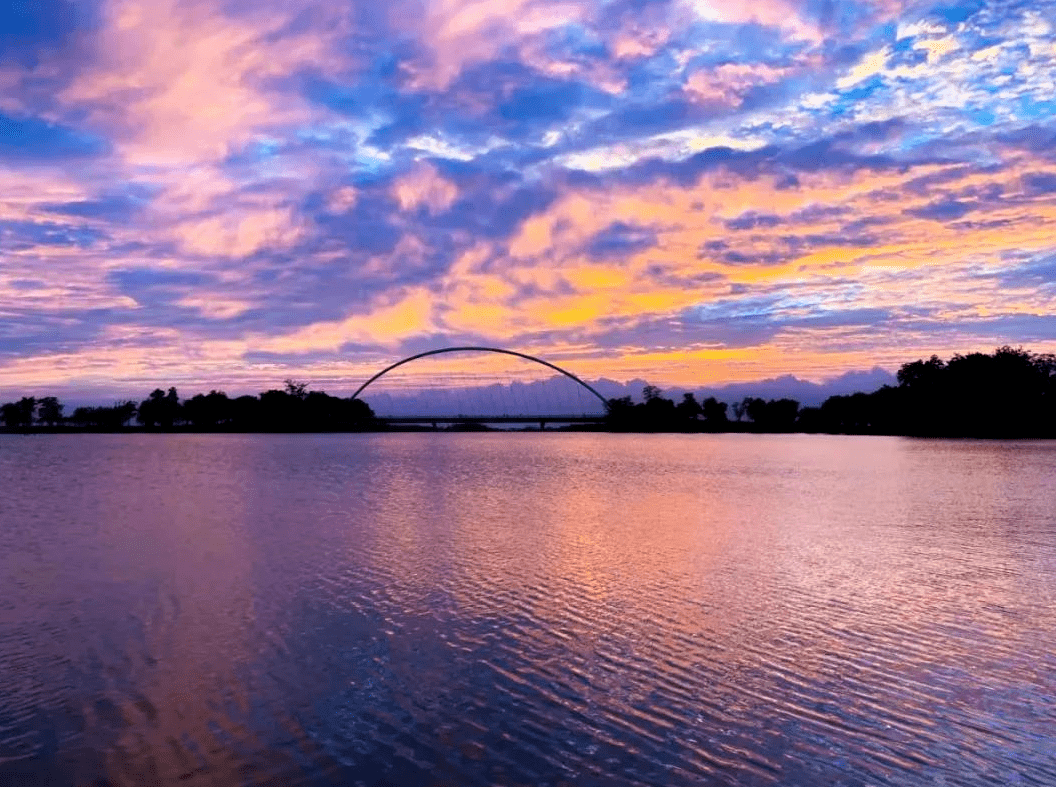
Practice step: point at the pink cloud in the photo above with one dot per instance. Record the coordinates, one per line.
(425, 186)
(459, 33)
(727, 84)
(238, 232)
(786, 15)
(173, 81)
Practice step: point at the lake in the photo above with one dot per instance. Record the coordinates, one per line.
(526, 609)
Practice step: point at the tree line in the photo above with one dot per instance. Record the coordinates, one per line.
(656, 413)
(292, 409)
(1007, 393)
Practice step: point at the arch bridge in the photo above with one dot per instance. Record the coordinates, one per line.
(478, 418)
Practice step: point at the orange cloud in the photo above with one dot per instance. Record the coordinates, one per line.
(389, 321)
(578, 293)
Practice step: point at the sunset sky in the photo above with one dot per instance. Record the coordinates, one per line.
(225, 194)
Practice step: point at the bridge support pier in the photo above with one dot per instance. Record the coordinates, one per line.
(542, 426)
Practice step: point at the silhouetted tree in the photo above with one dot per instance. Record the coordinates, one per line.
(655, 414)
(620, 413)
(281, 411)
(922, 374)
(246, 413)
(160, 409)
(810, 420)
(19, 415)
(714, 412)
(754, 408)
(148, 411)
(781, 414)
(49, 410)
(846, 414)
(207, 411)
(775, 415)
(658, 412)
(107, 418)
(925, 396)
(123, 412)
(330, 413)
(689, 408)
(1009, 393)
(738, 410)
(9, 414)
(357, 414)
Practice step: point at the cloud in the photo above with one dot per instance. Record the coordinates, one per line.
(1039, 273)
(424, 188)
(23, 235)
(652, 187)
(943, 210)
(729, 84)
(170, 79)
(621, 239)
(1038, 183)
(387, 323)
(109, 207)
(457, 34)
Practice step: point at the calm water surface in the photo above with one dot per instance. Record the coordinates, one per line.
(526, 610)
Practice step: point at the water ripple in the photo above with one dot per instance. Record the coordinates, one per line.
(487, 609)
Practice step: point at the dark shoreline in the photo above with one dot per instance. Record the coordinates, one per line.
(478, 428)
(1008, 394)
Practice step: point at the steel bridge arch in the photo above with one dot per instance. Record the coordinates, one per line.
(499, 350)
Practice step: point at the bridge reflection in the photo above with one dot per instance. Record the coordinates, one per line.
(435, 421)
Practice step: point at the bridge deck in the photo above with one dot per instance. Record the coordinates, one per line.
(491, 419)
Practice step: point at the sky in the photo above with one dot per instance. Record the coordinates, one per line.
(225, 194)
